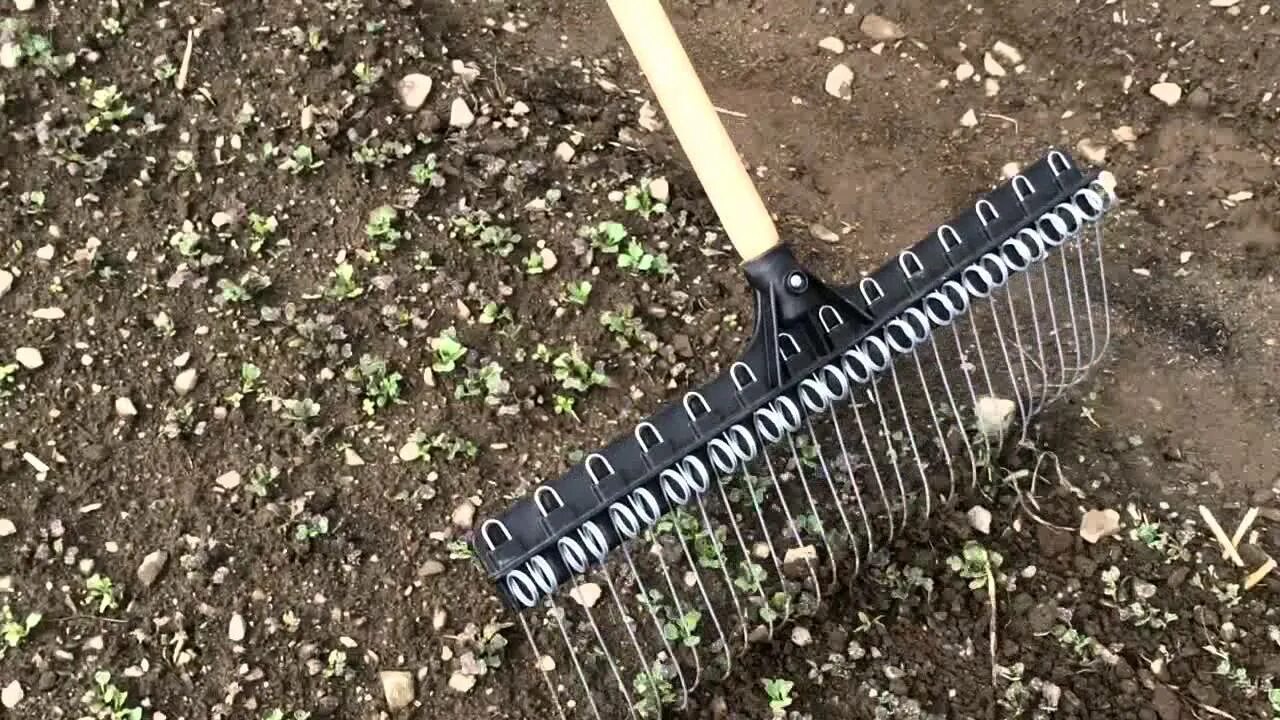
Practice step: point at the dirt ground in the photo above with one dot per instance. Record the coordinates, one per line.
(265, 542)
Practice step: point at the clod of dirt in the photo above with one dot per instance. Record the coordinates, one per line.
(11, 695)
(1097, 524)
(969, 119)
(964, 71)
(801, 636)
(414, 89)
(464, 515)
(832, 44)
(1167, 93)
(1094, 152)
(461, 682)
(430, 568)
(28, 357)
(397, 687)
(125, 408)
(881, 28)
(6, 282)
(586, 594)
(1199, 98)
(1125, 134)
(994, 415)
(660, 189)
(993, 66)
(9, 55)
(236, 628)
(185, 382)
(151, 567)
(1008, 52)
(7, 527)
(460, 115)
(647, 117)
(229, 480)
(1166, 703)
(839, 82)
(980, 519)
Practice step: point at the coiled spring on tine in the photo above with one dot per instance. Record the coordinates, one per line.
(840, 461)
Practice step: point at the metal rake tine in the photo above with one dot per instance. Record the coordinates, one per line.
(853, 480)
(627, 622)
(657, 624)
(871, 460)
(891, 452)
(702, 590)
(937, 426)
(557, 614)
(768, 540)
(537, 654)
(656, 549)
(967, 369)
(835, 497)
(1034, 402)
(911, 439)
(795, 534)
(813, 506)
(746, 557)
(595, 629)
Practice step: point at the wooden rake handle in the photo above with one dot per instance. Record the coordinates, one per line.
(697, 126)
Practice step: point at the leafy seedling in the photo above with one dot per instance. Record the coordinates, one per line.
(606, 237)
(683, 630)
(366, 76)
(8, 379)
(262, 480)
(639, 261)
(534, 263)
(978, 565)
(381, 228)
(639, 200)
(381, 387)
(100, 592)
(448, 349)
(302, 161)
(460, 550)
(249, 376)
(108, 702)
(261, 230)
(626, 328)
(421, 446)
(250, 285)
(577, 292)
(653, 690)
(106, 108)
(493, 312)
(343, 284)
(301, 410)
(424, 173)
(779, 692)
(309, 530)
(486, 382)
(14, 632)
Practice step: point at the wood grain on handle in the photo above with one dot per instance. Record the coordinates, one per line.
(696, 125)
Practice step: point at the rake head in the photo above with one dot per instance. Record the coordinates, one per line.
(852, 410)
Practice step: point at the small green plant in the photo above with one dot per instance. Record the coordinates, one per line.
(381, 227)
(779, 692)
(308, 530)
(336, 664)
(421, 446)
(8, 379)
(250, 285)
(683, 630)
(249, 376)
(750, 577)
(106, 108)
(100, 592)
(534, 264)
(866, 622)
(262, 480)
(186, 240)
(261, 230)
(448, 351)
(424, 173)
(626, 328)
(493, 312)
(14, 632)
(653, 690)
(1273, 696)
(366, 76)
(977, 565)
(606, 237)
(302, 161)
(460, 550)
(108, 702)
(31, 203)
(343, 284)
(381, 387)
(639, 261)
(300, 410)
(577, 292)
(575, 373)
(1082, 646)
(485, 381)
(638, 199)
(477, 227)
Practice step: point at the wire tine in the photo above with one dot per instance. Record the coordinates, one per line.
(702, 590)
(871, 460)
(604, 648)
(557, 614)
(537, 655)
(795, 534)
(746, 557)
(937, 425)
(967, 369)
(911, 440)
(853, 482)
(768, 540)
(835, 496)
(647, 604)
(655, 549)
(628, 623)
(721, 560)
(1020, 351)
(890, 451)
(813, 506)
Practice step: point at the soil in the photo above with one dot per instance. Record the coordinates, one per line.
(1183, 414)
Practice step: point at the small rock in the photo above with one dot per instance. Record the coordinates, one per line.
(414, 89)
(1094, 152)
(1008, 52)
(1166, 703)
(994, 415)
(839, 82)
(397, 687)
(6, 282)
(45, 252)
(660, 189)
(430, 568)
(801, 636)
(832, 44)
(980, 519)
(460, 682)
(546, 663)
(185, 381)
(125, 407)
(991, 87)
(969, 119)
(469, 72)
(549, 259)
(586, 594)
(151, 567)
(222, 219)
(1097, 524)
(7, 527)
(351, 458)
(11, 695)
(48, 313)
(520, 108)
(1009, 169)
(565, 152)
(804, 553)
(964, 71)
(235, 628)
(10, 54)
(1042, 617)
(229, 480)
(1199, 98)
(29, 358)
(1167, 93)
(881, 28)
(993, 66)
(1223, 3)
(409, 451)
(460, 115)
(464, 515)
(1125, 134)
(821, 232)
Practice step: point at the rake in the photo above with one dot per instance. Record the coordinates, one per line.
(851, 413)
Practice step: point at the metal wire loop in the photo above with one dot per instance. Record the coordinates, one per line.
(522, 588)
(696, 472)
(688, 410)
(594, 540)
(790, 339)
(591, 472)
(733, 374)
(945, 232)
(537, 498)
(571, 552)
(1058, 163)
(722, 456)
(990, 216)
(906, 255)
(646, 506)
(1056, 232)
(675, 486)
(827, 324)
(870, 282)
(484, 531)
(1020, 181)
(657, 436)
(624, 520)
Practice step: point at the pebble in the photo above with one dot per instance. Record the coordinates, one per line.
(969, 119)
(7, 527)
(586, 594)
(461, 682)
(48, 313)
(351, 458)
(546, 663)
(185, 381)
(1008, 52)
(460, 115)
(125, 407)
(991, 86)
(1223, 3)
(881, 28)
(964, 71)
(45, 252)
(1098, 524)
(464, 515)
(1094, 152)
(222, 219)
(151, 567)
(467, 71)
(10, 54)
(229, 480)
(832, 44)
(993, 66)
(430, 568)
(6, 282)
(823, 233)
(1009, 169)
(236, 628)
(414, 89)
(660, 189)
(397, 687)
(980, 519)
(565, 152)
(549, 259)
(994, 415)
(29, 358)
(839, 82)
(1166, 703)
(12, 695)
(1125, 134)
(1167, 93)
(801, 636)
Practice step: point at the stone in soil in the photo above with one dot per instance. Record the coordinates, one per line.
(801, 636)
(969, 119)
(125, 407)
(1166, 703)
(185, 382)
(1008, 52)
(565, 152)
(10, 54)
(461, 682)
(964, 71)
(229, 480)
(6, 282)
(414, 89)
(993, 66)
(430, 568)
(994, 414)
(980, 519)
(151, 567)
(586, 594)
(881, 28)
(11, 695)
(464, 515)
(24, 5)
(660, 189)
(1098, 524)
(397, 688)
(7, 527)
(832, 44)
(236, 628)
(1167, 93)
(460, 115)
(29, 358)
(839, 82)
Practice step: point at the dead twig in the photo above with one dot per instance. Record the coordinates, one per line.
(181, 81)
(1221, 535)
(1256, 576)
(1245, 524)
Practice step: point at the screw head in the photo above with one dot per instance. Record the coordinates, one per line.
(797, 282)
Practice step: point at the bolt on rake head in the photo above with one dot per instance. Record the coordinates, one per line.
(850, 407)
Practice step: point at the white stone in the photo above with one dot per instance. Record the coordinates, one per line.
(460, 115)
(969, 119)
(28, 357)
(546, 663)
(185, 381)
(1125, 134)
(24, 5)
(979, 519)
(409, 451)
(48, 313)
(467, 71)
(414, 89)
(125, 407)
(221, 219)
(461, 682)
(11, 695)
(1108, 180)
(586, 594)
(1009, 169)
(991, 86)
(1223, 3)
(10, 54)
(6, 282)
(992, 66)
(964, 71)
(839, 82)
(1094, 152)
(151, 566)
(832, 44)
(351, 458)
(45, 252)
(660, 189)
(1167, 93)
(1008, 52)
(236, 628)
(801, 636)
(229, 480)
(520, 108)
(565, 152)
(1097, 524)
(397, 688)
(994, 414)
(7, 527)
(804, 553)
(464, 515)
(881, 28)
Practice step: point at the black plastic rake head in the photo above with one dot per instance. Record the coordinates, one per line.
(812, 345)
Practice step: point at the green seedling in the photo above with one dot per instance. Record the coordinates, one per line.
(476, 227)
(38, 50)
(1082, 646)
(381, 387)
(8, 379)
(100, 592)
(866, 622)
(460, 550)
(249, 376)
(366, 76)
(683, 630)
(577, 292)
(14, 632)
(262, 480)
(1273, 697)
(343, 284)
(976, 564)
(449, 350)
(186, 241)
(250, 285)
(302, 161)
(653, 690)
(261, 230)
(108, 702)
(486, 382)
(627, 329)
(106, 108)
(336, 664)
(534, 264)
(574, 373)
(606, 237)
(421, 446)
(564, 405)
(424, 173)
(750, 577)
(31, 203)
(493, 312)
(638, 199)
(779, 692)
(300, 410)
(639, 261)
(380, 154)
(309, 530)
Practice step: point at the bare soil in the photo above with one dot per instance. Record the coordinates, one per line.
(1184, 414)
